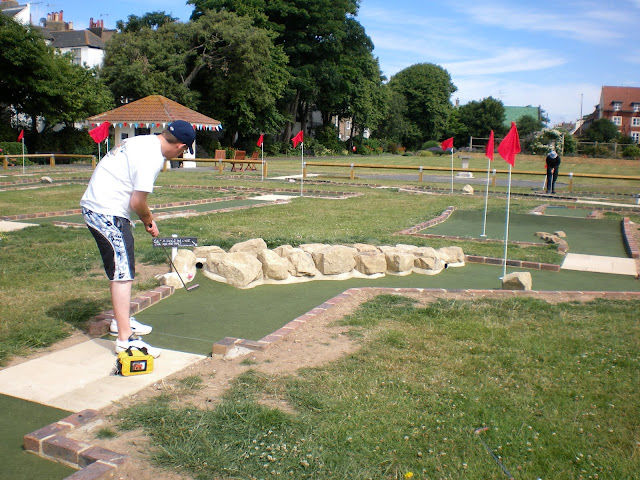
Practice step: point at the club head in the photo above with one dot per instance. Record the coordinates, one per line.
(193, 287)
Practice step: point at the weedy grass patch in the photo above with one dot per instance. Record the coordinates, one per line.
(556, 385)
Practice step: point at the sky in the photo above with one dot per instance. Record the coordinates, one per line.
(552, 54)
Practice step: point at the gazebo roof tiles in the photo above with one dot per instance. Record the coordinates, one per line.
(153, 109)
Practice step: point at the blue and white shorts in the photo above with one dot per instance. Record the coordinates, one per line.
(115, 242)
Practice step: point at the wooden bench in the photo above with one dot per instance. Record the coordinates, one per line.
(237, 161)
(252, 166)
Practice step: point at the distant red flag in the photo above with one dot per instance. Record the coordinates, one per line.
(297, 139)
(260, 141)
(21, 136)
(490, 147)
(510, 146)
(447, 144)
(100, 133)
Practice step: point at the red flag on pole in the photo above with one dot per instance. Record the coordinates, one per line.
(21, 136)
(100, 133)
(260, 141)
(447, 144)
(510, 146)
(490, 147)
(298, 138)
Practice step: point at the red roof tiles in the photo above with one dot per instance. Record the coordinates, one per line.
(153, 109)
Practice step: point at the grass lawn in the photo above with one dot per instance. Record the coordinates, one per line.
(556, 385)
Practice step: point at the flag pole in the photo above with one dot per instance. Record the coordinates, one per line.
(302, 170)
(451, 169)
(23, 155)
(506, 228)
(486, 201)
(262, 150)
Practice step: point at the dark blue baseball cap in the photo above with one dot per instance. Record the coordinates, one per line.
(184, 132)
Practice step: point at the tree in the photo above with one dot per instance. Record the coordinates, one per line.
(602, 130)
(220, 63)
(152, 20)
(312, 34)
(528, 125)
(39, 84)
(479, 118)
(427, 89)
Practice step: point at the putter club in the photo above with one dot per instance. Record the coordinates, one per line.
(478, 431)
(188, 289)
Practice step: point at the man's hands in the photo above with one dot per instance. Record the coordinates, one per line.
(152, 228)
(138, 204)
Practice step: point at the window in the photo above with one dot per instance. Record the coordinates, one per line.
(636, 107)
(635, 122)
(635, 136)
(77, 56)
(617, 106)
(617, 120)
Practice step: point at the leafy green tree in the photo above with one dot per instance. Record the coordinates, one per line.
(602, 130)
(479, 118)
(152, 20)
(427, 89)
(528, 125)
(39, 84)
(313, 35)
(220, 64)
(396, 126)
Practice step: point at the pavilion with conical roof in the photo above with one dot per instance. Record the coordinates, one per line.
(151, 115)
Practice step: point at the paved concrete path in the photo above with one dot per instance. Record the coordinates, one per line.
(599, 264)
(81, 376)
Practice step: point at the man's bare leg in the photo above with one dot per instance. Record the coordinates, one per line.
(121, 300)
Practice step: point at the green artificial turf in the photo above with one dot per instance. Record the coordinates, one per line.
(584, 235)
(192, 321)
(18, 418)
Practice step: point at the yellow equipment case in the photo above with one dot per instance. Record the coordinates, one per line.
(134, 361)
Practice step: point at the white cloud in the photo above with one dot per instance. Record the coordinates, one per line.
(588, 26)
(511, 60)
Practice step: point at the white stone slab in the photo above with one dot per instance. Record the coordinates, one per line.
(599, 264)
(6, 226)
(81, 376)
(271, 198)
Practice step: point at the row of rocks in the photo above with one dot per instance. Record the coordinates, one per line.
(251, 263)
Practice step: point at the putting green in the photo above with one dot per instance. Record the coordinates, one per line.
(584, 235)
(20, 417)
(193, 321)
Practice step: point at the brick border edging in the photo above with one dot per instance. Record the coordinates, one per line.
(92, 462)
(98, 325)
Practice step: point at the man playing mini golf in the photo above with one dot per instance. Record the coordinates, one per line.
(120, 184)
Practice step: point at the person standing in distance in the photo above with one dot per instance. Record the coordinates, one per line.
(553, 164)
(120, 184)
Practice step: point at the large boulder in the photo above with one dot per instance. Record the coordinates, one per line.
(371, 263)
(273, 265)
(334, 259)
(517, 281)
(284, 250)
(404, 248)
(399, 262)
(252, 246)
(426, 258)
(451, 255)
(203, 252)
(185, 263)
(365, 247)
(302, 264)
(238, 268)
(312, 247)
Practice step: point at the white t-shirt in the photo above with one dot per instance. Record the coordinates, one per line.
(132, 166)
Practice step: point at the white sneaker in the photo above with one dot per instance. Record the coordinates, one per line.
(136, 327)
(135, 342)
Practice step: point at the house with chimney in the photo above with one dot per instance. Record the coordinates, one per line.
(621, 105)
